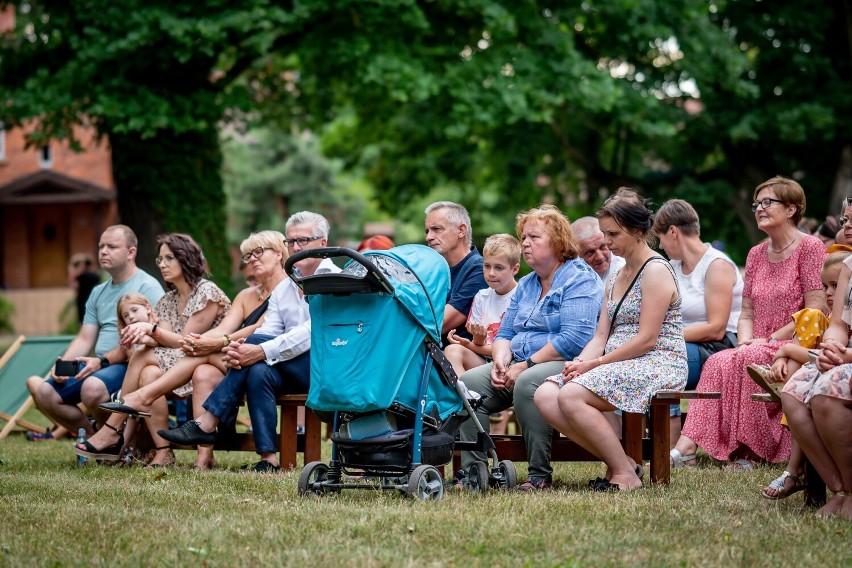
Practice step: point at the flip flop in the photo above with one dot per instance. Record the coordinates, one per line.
(740, 465)
(679, 460)
(121, 408)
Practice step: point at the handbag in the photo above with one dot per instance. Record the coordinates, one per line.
(707, 348)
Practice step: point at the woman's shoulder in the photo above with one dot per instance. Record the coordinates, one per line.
(811, 244)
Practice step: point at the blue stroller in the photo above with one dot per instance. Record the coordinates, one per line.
(379, 375)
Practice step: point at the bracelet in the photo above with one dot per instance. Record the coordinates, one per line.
(154, 330)
(226, 339)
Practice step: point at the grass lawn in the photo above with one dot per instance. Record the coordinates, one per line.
(53, 514)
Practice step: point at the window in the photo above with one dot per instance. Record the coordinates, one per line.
(45, 157)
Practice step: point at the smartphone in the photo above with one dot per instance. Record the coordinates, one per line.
(65, 368)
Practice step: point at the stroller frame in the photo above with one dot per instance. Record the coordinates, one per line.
(416, 478)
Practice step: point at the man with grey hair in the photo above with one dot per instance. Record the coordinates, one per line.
(593, 249)
(308, 230)
(449, 233)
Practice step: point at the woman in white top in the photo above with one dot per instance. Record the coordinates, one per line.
(711, 287)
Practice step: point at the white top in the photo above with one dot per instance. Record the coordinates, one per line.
(693, 308)
(615, 263)
(289, 320)
(488, 309)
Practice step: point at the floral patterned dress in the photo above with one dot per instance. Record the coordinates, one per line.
(808, 382)
(629, 385)
(736, 426)
(167, 310)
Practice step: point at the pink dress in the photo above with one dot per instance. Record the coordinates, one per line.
(735, 426)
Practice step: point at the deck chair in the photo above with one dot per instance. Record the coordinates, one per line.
(26, 357)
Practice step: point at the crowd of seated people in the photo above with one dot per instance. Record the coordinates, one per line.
(599, 324)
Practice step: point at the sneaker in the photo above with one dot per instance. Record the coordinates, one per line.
(458, 481)
(39, 437)
(535, 484)
(264, 466)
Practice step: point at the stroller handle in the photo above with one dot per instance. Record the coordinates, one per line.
(334, 282)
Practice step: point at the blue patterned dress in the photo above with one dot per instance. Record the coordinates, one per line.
(629, 385)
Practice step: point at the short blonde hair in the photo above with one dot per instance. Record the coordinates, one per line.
(788, 192)
(268, 240)
(503, 244)
(835, 258)
(557, 226)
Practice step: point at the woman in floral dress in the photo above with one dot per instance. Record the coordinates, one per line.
(638, 347)
(782, 276)
(192, 305)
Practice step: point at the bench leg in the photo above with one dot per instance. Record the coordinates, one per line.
(313, 437)
(287, 436)
(631, 435)
(660, 440)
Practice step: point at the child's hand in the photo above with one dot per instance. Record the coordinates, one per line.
(478, 331)
(452, 338)
(778, 371)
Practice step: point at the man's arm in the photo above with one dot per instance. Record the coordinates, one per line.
(452, 318)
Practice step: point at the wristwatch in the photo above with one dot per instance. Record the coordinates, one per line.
(104, 362)
(530, 362)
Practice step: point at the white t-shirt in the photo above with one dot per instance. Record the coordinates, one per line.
(615, 263)
(693, 308)
(488, 309)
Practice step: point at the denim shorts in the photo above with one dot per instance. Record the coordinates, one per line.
(112, 377)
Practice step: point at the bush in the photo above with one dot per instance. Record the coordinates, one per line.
(6, 311)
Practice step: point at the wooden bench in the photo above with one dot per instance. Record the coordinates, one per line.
(654, 448)
(289, 442)
(814, 492)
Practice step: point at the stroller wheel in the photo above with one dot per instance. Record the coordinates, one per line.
(312, 477)
(477, 477)
(426, 483)
(508, 475)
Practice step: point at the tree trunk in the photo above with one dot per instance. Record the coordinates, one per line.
(173, 183)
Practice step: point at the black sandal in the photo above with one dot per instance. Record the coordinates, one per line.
(170, 460)
(110, 453)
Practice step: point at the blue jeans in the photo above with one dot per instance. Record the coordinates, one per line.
(693, 363)
(261, 384)
(112, 377)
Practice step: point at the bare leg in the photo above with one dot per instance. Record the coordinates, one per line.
(93, 393)
(455, 355)
(159, 419)
(68, 415)
(833, 420)
(205, 378)
(177, 376)
(614, 421)
(582, 413)
(808, 438)
(33, 384)
(674, 430)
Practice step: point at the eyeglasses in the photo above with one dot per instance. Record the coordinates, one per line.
(765, 203)
(256, 253)
(842, 221)
(302, 241)
(168, 259)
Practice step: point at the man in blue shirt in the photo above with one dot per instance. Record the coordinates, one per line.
(449, 233)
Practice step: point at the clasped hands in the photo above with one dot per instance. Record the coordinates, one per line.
(833, 353)
(135, 333)
(239, 354)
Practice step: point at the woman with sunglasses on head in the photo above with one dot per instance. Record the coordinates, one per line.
(265, 253)
(782, 276)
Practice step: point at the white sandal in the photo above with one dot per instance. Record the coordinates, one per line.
(679, 460)
(778, 486)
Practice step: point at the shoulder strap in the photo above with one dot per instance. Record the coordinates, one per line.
(627, 291)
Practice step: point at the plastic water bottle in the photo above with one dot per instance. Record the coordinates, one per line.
(81, 437)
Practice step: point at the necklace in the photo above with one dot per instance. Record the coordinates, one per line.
(785, 248)
(261, 295)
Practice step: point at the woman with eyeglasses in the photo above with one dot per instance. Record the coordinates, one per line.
(782, 276)
(264, 253)
(191, 305)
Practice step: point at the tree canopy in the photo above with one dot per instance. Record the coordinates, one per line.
(498, 104)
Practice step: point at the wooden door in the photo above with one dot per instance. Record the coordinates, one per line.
(48, 239)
